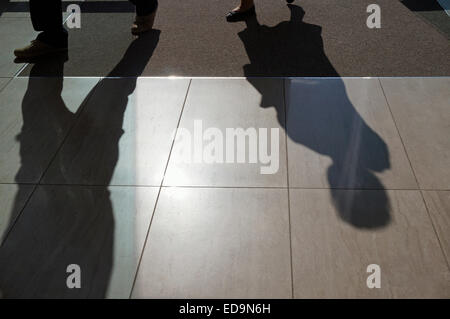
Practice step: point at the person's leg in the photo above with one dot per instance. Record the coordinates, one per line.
(145, 15)
(46, 16)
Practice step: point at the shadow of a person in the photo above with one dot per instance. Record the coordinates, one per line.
(3, 6)
(65, 225)
(320, 115)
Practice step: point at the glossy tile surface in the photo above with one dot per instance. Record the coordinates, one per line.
(217, 243)
(341, 135)
(124, 135)
(35, 116)
(438, 203)
(214, 106)
(3, 82)
(331, 255)
(99, 229)
(95, 153)
(421, 109)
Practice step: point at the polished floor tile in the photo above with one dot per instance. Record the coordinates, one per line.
(35, 116)
(124, 135)
(3, 82)
(12, 200)
(15, 33)
(337, 235)
(421, 109)
(438, 203)
(102, 230)
(207, 155)
(341, 135)
(217, 243)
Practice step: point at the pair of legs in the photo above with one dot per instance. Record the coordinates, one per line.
(46, 17)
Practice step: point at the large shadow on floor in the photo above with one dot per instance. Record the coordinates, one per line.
(69, 225)
(320, 116)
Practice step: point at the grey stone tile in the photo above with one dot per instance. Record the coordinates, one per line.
(421, 109)
(124, 135)
(102, 230)
(217, 243)
(212, 107)
(331, 255)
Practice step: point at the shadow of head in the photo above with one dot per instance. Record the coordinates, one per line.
(365, 209)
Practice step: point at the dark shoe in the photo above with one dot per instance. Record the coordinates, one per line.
(234, 16)
(37, 49)
(143, 24)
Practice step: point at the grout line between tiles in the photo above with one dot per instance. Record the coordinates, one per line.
(159, 193)
(225, 187)
(415, 176)
(288, 191)
(435, 231)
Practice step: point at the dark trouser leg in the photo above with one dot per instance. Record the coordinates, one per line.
(145, 7)
(46, 16)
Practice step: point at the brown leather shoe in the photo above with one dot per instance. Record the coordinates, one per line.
(36, 49)
(143, 24)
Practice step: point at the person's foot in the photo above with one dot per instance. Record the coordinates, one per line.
(36, 49)
(143, 24)
(240, 14)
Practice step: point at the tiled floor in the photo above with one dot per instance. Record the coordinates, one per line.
(90, 175)
(93, 173)
(223, 243)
